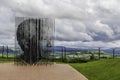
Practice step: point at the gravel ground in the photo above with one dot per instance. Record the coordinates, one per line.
(9, 71)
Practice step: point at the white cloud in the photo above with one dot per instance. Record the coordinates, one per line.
(92, 44)
(78, 22)
(103, 28)
(71, 30)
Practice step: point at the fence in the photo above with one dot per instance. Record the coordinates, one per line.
(6, 54)
(68, 54)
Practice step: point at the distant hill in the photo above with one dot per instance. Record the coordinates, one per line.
(5, 50)
(59, 48)
(111, 51)
(10, 50)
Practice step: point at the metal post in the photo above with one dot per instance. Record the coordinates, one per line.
(37, 39)
(62, 53)
(53, 55)
(30, 53)
(99, 52)
(2, 51)
(7, 51)
(113, 53)
(65, 53)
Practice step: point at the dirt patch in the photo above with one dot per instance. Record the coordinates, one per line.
(9, 71)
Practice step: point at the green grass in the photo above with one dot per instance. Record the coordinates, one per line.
(4, 59)
(5, 55)
(100, 70)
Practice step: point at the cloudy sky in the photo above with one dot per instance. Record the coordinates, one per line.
(79, 23)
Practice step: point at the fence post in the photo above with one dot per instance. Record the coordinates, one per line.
(65, 53)
(113, 53)
(2, 51)
(7, 51)
(53, 55)
(99, 52)
(62, 54)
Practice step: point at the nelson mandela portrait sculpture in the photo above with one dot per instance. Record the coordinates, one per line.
(34, 36)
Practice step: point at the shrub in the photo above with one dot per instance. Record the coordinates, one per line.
(77, 60)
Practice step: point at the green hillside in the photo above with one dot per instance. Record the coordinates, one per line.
(100, 70)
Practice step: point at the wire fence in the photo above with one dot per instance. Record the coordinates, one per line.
(65, 54)
(6, 54)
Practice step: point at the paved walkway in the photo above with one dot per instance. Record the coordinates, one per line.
(9, 71)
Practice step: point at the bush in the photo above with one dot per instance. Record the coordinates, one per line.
(77, 60)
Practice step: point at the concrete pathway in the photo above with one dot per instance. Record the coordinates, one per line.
(9, 71)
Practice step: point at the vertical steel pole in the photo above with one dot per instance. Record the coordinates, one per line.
(30, 43)
(113, 53)
(7, 51)
(2, 51)
(65, 52)
(99, 52)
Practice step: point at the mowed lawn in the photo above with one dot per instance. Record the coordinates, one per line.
(100, 70)
(4, 59)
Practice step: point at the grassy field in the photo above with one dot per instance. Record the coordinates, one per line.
(108, 69)
(4, 59)
(5, 55)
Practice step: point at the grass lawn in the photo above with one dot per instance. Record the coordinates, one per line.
(108, 69)
(4, 59)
